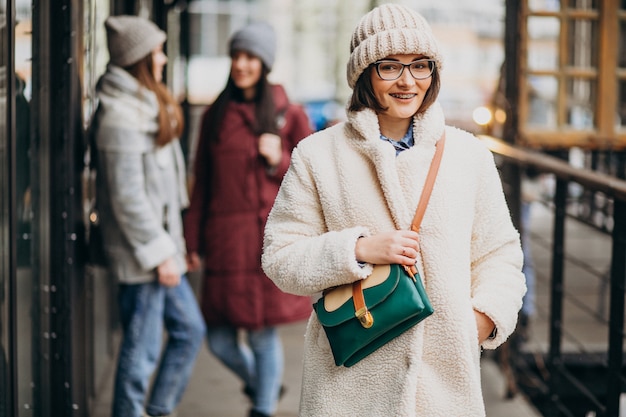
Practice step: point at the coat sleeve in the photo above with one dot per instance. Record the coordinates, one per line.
(194, 215)
(498, 283)
(121, 156)
(300, 255)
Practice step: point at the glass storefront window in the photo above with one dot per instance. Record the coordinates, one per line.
(543, 43)
(583, 4)
(582, 34)
(5, 273)
(542, 102)
(569, 46)
(621, 105)
(99, 287)
(544, 5)
(581, 103)
(96, 55)
(25, 214)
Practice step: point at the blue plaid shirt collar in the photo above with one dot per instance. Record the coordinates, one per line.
(403, 144)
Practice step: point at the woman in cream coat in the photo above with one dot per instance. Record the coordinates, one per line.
(346, 204)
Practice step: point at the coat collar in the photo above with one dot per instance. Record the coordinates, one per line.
(125, 103)
(427, 129)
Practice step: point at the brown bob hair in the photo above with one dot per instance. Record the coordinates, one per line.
(363, 94)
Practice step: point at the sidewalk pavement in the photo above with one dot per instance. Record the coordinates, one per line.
(215, 392)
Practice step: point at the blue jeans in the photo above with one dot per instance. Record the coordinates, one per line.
(259, 363)
(144, 310)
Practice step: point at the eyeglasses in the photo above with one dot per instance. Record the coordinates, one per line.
(392, 70)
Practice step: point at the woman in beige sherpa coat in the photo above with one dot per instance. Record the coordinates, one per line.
(346, 204)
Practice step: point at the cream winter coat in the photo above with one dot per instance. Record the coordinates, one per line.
(344, 182)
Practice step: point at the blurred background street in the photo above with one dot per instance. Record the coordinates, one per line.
(544, 79)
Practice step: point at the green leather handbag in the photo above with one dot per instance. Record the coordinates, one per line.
(360, 317)
(394, 302)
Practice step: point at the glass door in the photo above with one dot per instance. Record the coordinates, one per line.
(16, 278)
(6, 370)
(23, 221)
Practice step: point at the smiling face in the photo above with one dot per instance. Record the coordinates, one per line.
(245, 70)
(401, 98)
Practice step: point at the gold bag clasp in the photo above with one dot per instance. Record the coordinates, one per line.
(365, 317)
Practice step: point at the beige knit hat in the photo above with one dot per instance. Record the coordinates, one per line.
(131, 38)
(390, 29)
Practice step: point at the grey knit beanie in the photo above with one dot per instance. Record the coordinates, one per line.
(131, 38)
(390, 29)
(259, 39)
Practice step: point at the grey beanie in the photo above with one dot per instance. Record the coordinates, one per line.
(131, 38)
(390, 29)
(259, 39)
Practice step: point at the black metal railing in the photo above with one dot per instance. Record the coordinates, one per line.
(563, 382)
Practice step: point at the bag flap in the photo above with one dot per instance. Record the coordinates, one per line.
(338, 296)
(336, 306)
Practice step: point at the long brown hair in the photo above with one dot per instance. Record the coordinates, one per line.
(171, 123)
(265, 110)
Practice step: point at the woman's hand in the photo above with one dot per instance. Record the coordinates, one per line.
(485, 326)
(396, 247)
(270, 148)
(168, 273)
(193, 261)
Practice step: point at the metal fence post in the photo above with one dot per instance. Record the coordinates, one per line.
(556, 294)
(616, 311)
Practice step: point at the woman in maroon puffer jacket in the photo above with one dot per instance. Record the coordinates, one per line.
(244, 149)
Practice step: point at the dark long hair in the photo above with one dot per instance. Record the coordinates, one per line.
(363, 94)
(264, 109)
(170, 116)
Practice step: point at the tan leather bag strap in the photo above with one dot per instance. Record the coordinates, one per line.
(360, 309)
(428, 185)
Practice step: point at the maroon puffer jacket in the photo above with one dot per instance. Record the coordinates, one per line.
(232, 195)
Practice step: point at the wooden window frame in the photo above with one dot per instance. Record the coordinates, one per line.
(605, 132)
